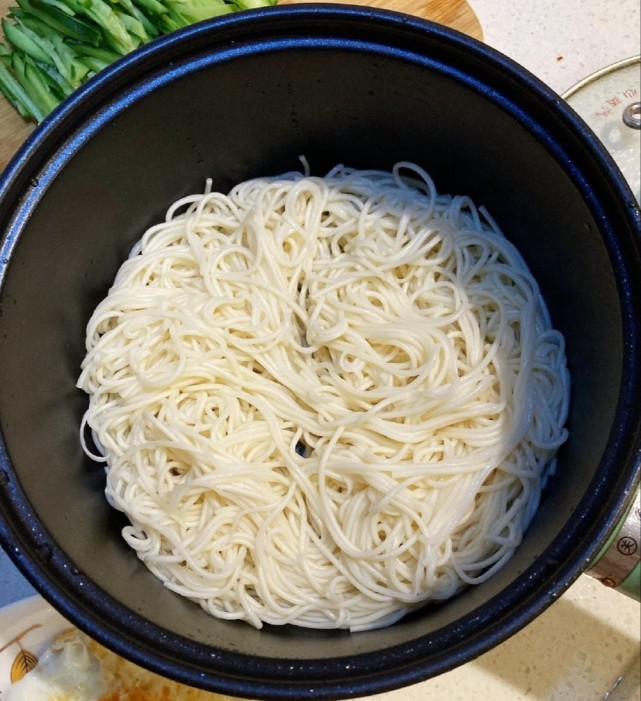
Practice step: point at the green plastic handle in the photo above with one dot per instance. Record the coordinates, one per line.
(618, 563)
(631, 585)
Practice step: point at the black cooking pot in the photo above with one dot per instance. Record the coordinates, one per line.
(244, 96)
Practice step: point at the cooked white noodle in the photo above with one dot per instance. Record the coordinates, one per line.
(325, 401)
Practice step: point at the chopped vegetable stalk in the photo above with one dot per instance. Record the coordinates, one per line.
(23, 42)
(93, 63)
(59, 5)
(134, 27)
(149, 27)
(152, 7)
(59, 86)
(99, 52)
(63, 23)
(198, 10)
(249, 4)
(38, 82)
(105, 16)
(17, 95)
(53, 46)
(42, 102)
(51, 49)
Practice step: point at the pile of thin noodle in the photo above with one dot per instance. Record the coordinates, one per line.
(325, 401)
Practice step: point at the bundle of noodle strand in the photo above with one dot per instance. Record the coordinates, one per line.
(325, 401)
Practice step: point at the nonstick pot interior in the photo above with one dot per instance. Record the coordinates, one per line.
(246, 96)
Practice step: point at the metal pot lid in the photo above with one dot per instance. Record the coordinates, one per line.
(609, 101)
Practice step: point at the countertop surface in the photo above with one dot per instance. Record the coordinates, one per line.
(581, 647)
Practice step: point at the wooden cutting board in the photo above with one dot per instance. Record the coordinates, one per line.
(452, 13)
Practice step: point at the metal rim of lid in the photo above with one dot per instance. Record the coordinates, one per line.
(601, 73)
(584, 95)
(614, 563)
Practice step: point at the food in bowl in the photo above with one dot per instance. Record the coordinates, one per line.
(325, 401)
(76, 668)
